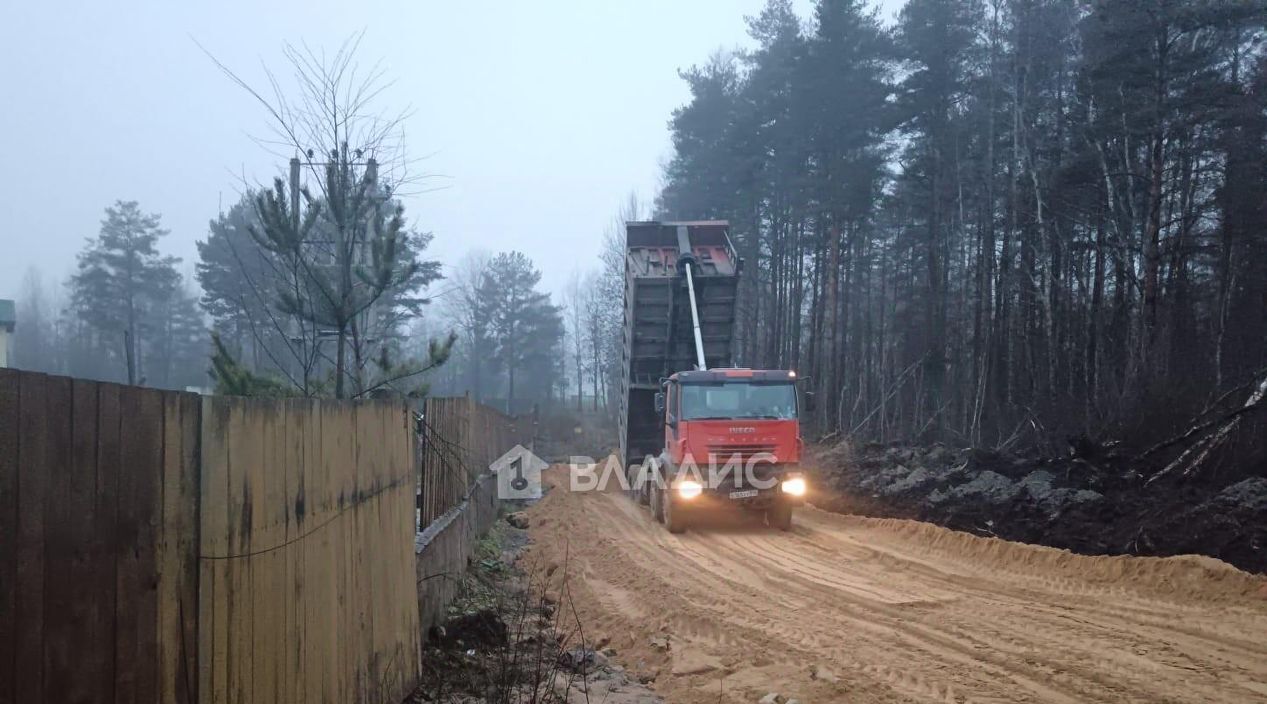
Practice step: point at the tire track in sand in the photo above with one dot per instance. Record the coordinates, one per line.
(901, 611)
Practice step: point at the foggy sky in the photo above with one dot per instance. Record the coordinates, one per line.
(537, 119)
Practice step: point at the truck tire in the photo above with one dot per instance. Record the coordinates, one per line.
(642, 494)
(674, 515)
(779, 516)
(656, 501)
(637, 493)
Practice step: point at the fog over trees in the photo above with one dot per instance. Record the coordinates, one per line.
(125, 315)
(995, 221)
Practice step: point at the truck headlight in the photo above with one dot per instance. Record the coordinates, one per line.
(689, 488)
(794, 486)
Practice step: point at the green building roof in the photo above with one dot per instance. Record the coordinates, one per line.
(8, 315)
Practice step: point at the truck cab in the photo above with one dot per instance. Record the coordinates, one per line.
(731, 439)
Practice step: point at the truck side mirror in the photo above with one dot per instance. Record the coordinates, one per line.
(659, 402)
(810, 404)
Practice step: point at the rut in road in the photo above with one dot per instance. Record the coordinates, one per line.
(844, 608)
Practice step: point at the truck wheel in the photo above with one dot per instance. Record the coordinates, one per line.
(779, 516)
(637, 493)
(674, 516)
(657, 504)
(642, 494)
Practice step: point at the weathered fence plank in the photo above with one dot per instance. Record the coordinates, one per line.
(177, 552)
(9, 419)
(76, 655)
(293, 582)
(33, 488)
(116, 618)
(213, 626)
(137, 511)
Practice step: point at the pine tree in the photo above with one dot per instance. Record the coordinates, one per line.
(237, 278)
(121, 282)
(527, 329)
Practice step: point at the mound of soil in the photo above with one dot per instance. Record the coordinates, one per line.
(1091, 505)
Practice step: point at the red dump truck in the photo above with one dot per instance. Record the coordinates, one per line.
(695, 432)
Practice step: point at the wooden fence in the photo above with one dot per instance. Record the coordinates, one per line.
(162, 547)
(307, 584)
(457, 493)
(460, 439)
(98, 541)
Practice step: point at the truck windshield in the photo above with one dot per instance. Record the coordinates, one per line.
(738, 399)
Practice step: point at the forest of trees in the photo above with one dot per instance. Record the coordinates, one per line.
(125, 315)
(996, 221)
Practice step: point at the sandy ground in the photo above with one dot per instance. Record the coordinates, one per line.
(853, 609)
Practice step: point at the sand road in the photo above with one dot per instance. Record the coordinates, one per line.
(853, 609)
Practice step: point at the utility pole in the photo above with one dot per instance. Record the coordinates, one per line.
(346, 238)
(294, 192)
(296, 326)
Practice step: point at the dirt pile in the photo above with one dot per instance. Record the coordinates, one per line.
(854, 609)
(1092, 505)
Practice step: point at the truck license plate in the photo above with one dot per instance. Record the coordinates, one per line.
(745, 494)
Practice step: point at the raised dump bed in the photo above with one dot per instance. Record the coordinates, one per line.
(658, 329)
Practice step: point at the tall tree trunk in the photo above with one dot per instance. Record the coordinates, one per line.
(1152, 230)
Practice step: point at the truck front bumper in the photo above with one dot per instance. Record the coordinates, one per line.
(760, 496)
